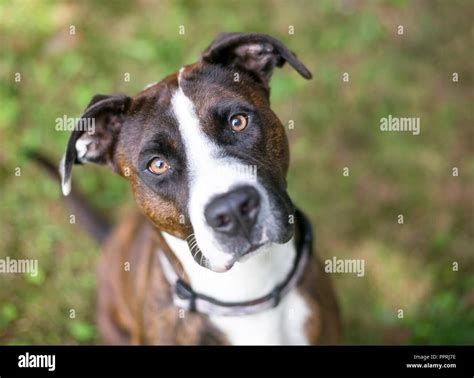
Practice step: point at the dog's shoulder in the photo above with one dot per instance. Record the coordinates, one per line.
(123, 276)
(324, 325)
(135, 301)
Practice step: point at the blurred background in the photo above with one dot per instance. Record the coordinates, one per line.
(407, 266)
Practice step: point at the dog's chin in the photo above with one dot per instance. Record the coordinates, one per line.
(240, 257)
(222, 267)
(252, 251)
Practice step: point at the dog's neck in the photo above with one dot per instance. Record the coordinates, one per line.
(250, 279)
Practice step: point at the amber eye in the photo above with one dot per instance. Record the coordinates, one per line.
(158, 166)
(238, 122)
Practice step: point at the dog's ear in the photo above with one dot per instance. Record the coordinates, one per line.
(93, 138)
(255, 53)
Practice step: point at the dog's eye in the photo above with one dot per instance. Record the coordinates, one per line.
(158, 166)
(238, 122)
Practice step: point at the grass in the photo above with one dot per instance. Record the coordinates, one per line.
(409, 266)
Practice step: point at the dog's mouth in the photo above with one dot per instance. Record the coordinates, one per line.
(247, 254)
(203, 261)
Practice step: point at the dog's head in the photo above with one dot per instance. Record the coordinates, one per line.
(206, 156)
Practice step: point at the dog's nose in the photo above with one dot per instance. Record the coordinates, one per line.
(235, 212)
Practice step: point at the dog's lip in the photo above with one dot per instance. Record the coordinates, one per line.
(248, 253)
(251, 251)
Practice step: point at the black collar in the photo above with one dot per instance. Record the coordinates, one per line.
(186, 298)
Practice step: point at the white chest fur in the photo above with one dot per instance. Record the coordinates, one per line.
(248, 280)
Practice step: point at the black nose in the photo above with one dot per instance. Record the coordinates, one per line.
(235, 212)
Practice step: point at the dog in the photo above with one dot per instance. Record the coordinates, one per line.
(218, 253)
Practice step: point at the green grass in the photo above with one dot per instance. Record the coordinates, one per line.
(408, 266)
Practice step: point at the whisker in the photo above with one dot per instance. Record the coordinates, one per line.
(196, 252)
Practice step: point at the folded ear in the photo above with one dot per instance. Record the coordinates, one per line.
(255, 53)
(94, 136)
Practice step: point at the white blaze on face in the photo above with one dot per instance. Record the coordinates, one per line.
(210, 174)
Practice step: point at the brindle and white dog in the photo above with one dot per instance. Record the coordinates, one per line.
(217, 255)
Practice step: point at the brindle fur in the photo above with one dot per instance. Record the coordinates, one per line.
(134, 305)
